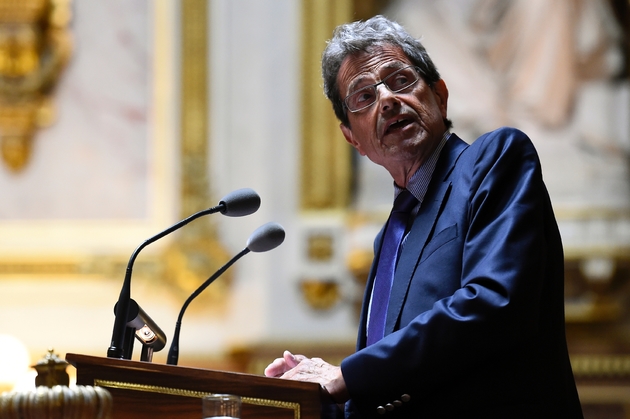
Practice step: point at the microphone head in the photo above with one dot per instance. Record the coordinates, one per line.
(266, 237)
(240, 202)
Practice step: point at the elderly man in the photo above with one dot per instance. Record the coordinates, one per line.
(463, 314)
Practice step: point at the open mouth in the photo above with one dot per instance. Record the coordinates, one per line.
(398, 125)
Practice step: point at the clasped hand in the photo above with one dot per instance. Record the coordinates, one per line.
(314, 370)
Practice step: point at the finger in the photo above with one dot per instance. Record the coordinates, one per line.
(276, 368)
(300, 358)
(292, 360)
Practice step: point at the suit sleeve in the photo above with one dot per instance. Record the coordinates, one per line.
(503, 261)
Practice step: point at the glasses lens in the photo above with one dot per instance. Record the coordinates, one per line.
(361, 98)
(396, 82)
(401, 79)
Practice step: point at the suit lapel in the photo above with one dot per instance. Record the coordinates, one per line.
(436, 196)
(361, 341)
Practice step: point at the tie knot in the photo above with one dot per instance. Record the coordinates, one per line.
(405, 202)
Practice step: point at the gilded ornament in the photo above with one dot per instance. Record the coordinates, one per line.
(320, 247)
(321, 294)
(35, 46)
(51, 371)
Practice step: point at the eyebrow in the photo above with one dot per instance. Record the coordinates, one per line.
(394, 65)
(352, 87)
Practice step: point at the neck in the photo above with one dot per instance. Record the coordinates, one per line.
(402, 170)
(402, 174)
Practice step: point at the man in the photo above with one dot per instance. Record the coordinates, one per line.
(463, 317)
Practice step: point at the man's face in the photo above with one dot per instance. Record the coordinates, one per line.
(400, 130)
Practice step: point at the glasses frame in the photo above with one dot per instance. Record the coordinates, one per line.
(383, 82)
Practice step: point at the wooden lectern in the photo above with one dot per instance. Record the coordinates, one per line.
(143, 390)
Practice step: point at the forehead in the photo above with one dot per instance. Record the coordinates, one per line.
(366, 64)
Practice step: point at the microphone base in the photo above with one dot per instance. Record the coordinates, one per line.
(114, 352)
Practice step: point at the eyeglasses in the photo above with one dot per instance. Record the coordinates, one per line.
(396, 82)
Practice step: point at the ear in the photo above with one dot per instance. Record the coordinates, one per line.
(441, 93)
(347, 133)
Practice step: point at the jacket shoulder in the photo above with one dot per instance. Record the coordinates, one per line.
(502, 138)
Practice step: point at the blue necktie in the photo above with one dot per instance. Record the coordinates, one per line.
(394, 232)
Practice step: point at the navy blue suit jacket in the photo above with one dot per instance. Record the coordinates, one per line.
(475, 325)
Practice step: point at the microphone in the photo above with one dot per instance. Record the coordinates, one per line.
(235, 204)
(264, 238)
(239, 203)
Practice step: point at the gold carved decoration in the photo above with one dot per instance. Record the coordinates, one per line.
(35, 46)
(320, 247)
(326, 158)
(321, 294)
(598, 366)
(196, 253)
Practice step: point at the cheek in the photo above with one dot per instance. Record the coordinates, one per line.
(427, 105)
(365, 129)
(430, 111)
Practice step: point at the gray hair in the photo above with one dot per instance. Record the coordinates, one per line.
(355, 37)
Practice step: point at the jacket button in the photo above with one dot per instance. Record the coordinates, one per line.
(397, 403)
(405, 398)
(389, 407)
(381, 410)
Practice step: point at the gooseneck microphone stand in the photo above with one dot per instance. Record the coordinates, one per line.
(118, 346)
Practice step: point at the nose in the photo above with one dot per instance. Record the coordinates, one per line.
(387, 100)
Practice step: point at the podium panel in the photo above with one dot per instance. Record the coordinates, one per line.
(143, 390)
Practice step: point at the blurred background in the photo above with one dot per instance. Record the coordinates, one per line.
(119, 118)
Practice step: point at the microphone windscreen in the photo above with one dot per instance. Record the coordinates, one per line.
(266, 237)
(240, 202)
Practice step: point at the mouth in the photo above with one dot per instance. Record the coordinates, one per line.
(398, 124)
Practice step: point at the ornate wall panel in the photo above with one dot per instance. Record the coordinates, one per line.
(101, 179)
(50, 232)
